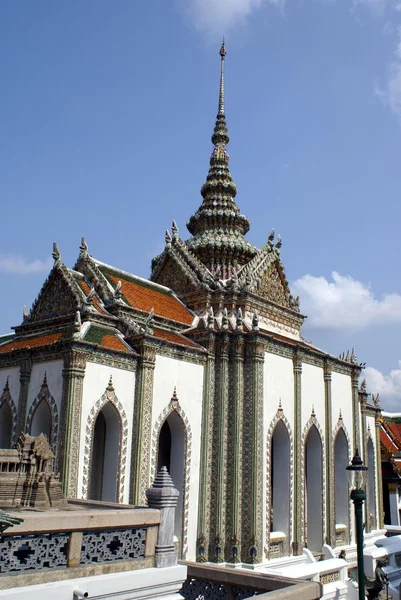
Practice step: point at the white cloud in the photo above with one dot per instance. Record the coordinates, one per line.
(390, 93)
(344, 303)
(377, 6)
(20, 266)
(388, 386)
(218, 16)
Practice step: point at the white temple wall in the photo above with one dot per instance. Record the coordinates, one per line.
(54, 376)
(187, 377)
(95, 383)
(13, 383)
(278, 383)
(341, 399)
(312, 394)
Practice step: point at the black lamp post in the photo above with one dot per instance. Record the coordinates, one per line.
(357, 472)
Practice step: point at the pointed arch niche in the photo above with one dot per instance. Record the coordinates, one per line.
(171, 447)
(371, 500)
(105, 452)
(43, 415)
(279, 482)
(342, 458)
(314, 485)
(8, 419)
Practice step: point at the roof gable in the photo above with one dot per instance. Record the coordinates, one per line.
(57, 298)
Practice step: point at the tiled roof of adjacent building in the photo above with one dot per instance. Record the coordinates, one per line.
(145, 295)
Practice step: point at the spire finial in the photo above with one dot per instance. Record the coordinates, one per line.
(221, 95)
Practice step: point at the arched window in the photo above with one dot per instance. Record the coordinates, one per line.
(280, 480)
(341, 487)
(313, 490)
(105, 455)
(6, 425)
(171, 454)
(42, 420)
(371, 486)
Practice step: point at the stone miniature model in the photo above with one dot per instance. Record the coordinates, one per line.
(26, 475)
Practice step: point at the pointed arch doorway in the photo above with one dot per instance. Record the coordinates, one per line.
(105, 456)
(314, 490)
(171, 448)
(42, 420)
(280, 481)
(6, 425)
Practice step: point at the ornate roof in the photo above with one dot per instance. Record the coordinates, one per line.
(218, 228)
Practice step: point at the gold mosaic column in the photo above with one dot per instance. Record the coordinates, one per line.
(330, 476)
(234, 466)
(24, 377)
(358, 443)
(68, 442)
(298, 529)
(379, 474)
(252, 466)
(221, 416)
(205, 483)
(141, 439)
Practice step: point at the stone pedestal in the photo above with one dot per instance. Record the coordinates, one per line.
(164, 496)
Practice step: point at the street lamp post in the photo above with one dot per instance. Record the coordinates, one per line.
(357, 472)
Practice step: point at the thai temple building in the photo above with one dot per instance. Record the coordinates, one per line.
(202, 369)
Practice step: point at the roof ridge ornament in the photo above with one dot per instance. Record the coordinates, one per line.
(56, 253)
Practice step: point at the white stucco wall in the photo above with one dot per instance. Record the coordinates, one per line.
(341, 399)
(278, 382)
(188, 380)
(312, 394)
(13, 382)
(95, 383)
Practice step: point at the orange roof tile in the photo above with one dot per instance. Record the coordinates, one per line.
(31, 342)
(173, 337)
(387, 443)
(113, 342)
(395, 429)
(145, 297)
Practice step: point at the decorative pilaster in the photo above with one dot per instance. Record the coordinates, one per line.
(219, 469)
(299, 476)
(24, 377)
(141, 439)
(330, 475)
(379, 480)
(70, 423)
(253, 447)
(356, 434)
(205, 484)
(234, 463)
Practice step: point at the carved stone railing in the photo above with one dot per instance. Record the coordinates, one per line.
(91, 537)
(222, 583)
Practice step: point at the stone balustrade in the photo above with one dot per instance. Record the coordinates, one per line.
(223, 583)
(85, 538)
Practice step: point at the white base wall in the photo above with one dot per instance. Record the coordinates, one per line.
(129, 585)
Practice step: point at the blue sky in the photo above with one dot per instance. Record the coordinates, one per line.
(106, 114)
